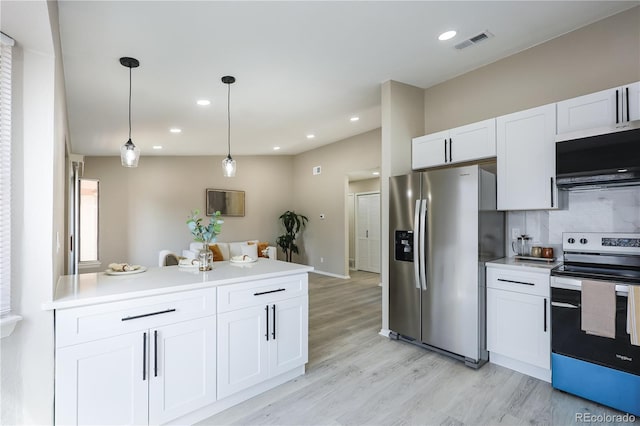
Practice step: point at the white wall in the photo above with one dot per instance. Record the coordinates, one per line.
(38, 139)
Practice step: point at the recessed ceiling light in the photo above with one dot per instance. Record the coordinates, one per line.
(157, 147)
(175, 130)
(622, 170)
(354, 118)
(376, 173)
(203, 102)
(275, 148)
(447, 35)
(311, 136)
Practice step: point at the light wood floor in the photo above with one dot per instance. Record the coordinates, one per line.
(357, 377)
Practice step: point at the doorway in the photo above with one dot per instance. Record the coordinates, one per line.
(367, 227)
(363, 208)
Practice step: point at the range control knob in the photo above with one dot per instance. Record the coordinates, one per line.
(583, 241)
(571, 240)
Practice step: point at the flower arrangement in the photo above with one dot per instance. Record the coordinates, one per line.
(202, 233)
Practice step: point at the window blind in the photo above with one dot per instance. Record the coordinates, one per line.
(6, 44)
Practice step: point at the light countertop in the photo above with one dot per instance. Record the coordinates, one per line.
(524, 265)
(98, 287)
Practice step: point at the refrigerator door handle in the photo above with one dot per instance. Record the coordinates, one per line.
(423, 250)
(416, 242)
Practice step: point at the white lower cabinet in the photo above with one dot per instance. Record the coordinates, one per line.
(260, 342)
(518, 321)
(101, 382)
(154, 360)
(182, 376)
(152, 376)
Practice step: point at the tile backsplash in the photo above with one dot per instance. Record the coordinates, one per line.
(604, 210)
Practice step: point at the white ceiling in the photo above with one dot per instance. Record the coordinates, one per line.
(301, 67)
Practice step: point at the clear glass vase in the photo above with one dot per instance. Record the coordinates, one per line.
(205, 258)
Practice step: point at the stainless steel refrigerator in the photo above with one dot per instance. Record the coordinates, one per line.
(443, 227)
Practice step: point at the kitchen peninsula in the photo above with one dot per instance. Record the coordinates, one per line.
(174, 344)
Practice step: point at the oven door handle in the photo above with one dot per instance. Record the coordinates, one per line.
(564, 305)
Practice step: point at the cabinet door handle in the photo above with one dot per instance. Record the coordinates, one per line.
(445, 150)
(551, 180)
(270, 291)
(274, 322)
(617, 108)
(514, 282)
(155, 353)
(166, 311)
(545, 314)
(627, 94)
(266, 310)
(450, 142)
(144, 356)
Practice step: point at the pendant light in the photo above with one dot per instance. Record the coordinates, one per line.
(229, 164)
(129, 153)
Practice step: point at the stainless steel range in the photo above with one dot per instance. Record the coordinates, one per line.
(602, 368)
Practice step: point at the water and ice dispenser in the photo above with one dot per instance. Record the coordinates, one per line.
(404, 246)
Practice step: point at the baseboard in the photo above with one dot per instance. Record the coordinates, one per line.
(522, 367)
(384, 332)
(329, 274)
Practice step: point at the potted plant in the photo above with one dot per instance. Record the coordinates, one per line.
(205, 234)
(293, 223)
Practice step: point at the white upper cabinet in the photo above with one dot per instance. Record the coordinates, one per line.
(601, 109)
(526, 159)
(466, 143)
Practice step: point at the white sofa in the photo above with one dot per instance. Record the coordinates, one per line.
(228, 250)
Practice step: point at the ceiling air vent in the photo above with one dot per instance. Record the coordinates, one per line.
(474, 40)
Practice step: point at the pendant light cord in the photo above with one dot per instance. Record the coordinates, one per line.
(129, 103)
(229, 118)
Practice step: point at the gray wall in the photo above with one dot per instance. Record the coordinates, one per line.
(327, 193)
(143, 210)
(596, 57)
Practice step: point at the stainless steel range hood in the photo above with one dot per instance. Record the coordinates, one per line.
(599, 158)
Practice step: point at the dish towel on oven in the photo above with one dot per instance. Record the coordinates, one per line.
(633, 314)
(599, 308)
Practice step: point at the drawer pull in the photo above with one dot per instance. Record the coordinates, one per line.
(148, 315)
(270, 291)
(514, 282)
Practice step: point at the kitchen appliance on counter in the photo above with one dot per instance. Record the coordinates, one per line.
(602, 157)
(443, 227)
(602, 369)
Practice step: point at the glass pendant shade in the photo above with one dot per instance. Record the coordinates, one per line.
(129, 154)
(228, 164)
(229, 167)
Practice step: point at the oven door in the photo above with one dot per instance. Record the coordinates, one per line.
(567, 337)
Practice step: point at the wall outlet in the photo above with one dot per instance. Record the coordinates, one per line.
(515, 233)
